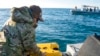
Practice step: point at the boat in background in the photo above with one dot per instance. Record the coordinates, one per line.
(86, 10)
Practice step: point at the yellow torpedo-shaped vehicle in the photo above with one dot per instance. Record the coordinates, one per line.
(50, 49)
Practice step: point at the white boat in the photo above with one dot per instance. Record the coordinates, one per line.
(91, 47)
(86, 10)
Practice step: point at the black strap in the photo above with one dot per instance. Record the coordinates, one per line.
(30, 11)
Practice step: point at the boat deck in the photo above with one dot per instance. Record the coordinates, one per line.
(2, 40)
(84, 13)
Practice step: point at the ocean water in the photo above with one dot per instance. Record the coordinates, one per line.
(61, 26)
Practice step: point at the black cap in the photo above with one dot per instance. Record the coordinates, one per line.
(36, 10)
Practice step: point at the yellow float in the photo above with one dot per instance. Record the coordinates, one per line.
(50, 49)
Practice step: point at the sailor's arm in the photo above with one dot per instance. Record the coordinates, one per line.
(30, 43)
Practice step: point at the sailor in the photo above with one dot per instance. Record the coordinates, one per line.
(75, 7)
(94, 9)
(19, 32)
(90, 9)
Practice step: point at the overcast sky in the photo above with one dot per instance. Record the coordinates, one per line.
(48, 3)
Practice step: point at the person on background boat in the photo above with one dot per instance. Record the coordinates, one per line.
(87, 9)
(94, 9)
(75, 7)
(19, 32)
(90, 9)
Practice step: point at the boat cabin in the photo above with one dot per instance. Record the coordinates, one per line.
(86, 10)
(90, 8)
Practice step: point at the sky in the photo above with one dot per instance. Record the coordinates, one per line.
(48, 3)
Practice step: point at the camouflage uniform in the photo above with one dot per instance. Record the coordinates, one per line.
(20, 34)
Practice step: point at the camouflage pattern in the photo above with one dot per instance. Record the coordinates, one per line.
(20, 34)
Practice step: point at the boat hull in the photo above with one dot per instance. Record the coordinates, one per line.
(84, 13)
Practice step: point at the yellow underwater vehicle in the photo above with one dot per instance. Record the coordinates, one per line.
(50, 49)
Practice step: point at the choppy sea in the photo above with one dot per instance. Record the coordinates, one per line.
(61, 26)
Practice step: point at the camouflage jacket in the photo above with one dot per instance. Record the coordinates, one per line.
(20, 34)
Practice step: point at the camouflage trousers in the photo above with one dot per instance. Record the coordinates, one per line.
(16, 51)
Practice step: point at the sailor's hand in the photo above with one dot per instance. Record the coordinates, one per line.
(44, 54)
